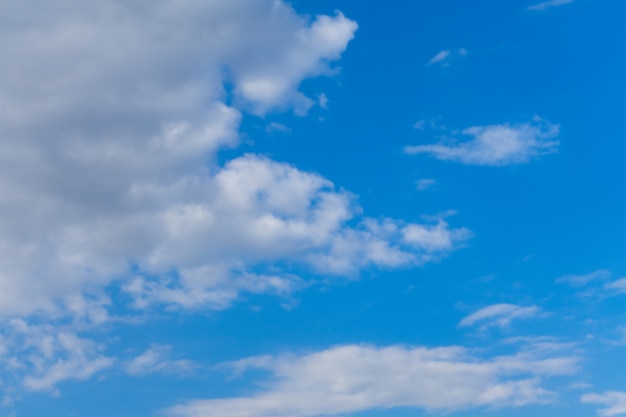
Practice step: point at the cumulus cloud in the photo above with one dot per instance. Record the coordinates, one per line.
(496, 145)
(549, 4)
(613, 401)
(111, 115)
(106, 162)
(354, 378)
(499, 315)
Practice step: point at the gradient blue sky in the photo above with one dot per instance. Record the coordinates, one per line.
(254, 208)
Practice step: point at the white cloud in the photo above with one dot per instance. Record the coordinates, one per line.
(354, 378)
(38, 357)
(446, 56)
(157, 360)
(264, 211)
(277, 127)
(111, 114)
(497, 145)
(549, 4)
(582, 280)
(618, 286)
(499, 315)
(425, 183)
(614, 402)
(323, 100)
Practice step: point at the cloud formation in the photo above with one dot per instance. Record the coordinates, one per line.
(499, 315)
(354, 378)
(613, 401)
(496, 145)
(583, 280)
(38, 357)
(110, 128)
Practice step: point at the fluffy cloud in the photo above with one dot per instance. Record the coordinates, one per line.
(549, 4)
(111, 116)
(497, 145)
(615, 403)
(349, 379)
(499, 315)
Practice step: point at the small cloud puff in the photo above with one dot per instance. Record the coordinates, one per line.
(277, 127)
(497, 145)
(425, 183)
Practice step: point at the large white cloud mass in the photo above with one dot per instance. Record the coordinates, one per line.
(110, 116)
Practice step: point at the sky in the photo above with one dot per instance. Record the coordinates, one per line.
(261, 208)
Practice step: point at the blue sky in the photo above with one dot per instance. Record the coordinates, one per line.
(254, 208)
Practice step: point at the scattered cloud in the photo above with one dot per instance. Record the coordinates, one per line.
(322, 100)
(583, 280)
(355, 378)
(549, 4)
(425, 183)
(38, 357)
(614, 402)
(420, 125)
(446, 56)
(157, 360)
(617, 286)
(499, 315)
(277, 127)
(497, 145)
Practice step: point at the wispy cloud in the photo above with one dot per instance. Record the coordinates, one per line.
(499, 315)
(277, 127)
(548, 4)
(497, 145)
(157, 360)
(446, 56)
(355, 378)
(613, 401)
(425, 183)
(582, 280)
(617, 286)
